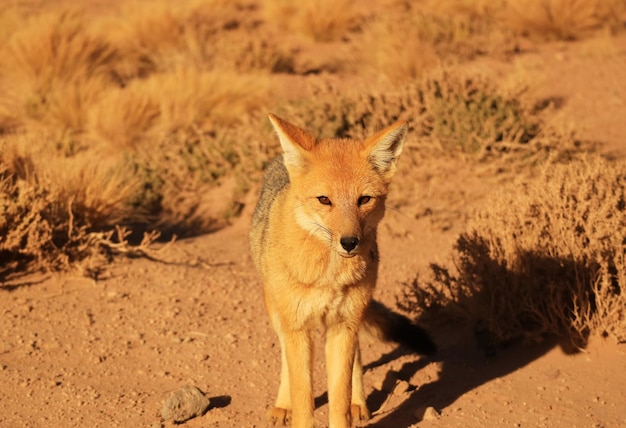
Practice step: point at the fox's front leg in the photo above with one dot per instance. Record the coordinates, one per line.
(280, 413)
(298, 355)
(340, 357)
(358, 406)
(295, 393)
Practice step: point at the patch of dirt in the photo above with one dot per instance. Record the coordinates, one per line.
(75, 352)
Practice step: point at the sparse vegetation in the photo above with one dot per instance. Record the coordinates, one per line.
(105, 128)
(134, 116)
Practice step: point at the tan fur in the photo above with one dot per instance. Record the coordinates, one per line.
(318, 259)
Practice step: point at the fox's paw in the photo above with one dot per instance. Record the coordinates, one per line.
(359, 412)
(277, 415)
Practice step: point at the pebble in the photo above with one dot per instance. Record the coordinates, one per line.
(428, 413)
(184, 404)
(431, 414)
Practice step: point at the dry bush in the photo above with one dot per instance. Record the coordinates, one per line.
(52, 72)
(24, 233)
(470, 115)
(321, 20)
(459, 113)
(564, 19)
(192, 183)
(57, 212)
(94, 183)
(548, 257)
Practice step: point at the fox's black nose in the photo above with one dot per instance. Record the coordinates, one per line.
(349, 243)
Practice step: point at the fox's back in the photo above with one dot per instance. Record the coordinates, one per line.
(275, 181)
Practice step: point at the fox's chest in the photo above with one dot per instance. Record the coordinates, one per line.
(338, 273)
(322, 306)
(339, 291)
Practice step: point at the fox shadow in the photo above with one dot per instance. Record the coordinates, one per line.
(469, 354)
(463, 368)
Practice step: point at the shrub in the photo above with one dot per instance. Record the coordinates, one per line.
(470, 115)
(466, 114)
(191, 183)
(58, 213)
(564, 19)
(548, 257)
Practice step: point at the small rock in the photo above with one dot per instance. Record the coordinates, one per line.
(431, 414)
(184, 404)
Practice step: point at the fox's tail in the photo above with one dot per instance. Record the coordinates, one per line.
(389, 326)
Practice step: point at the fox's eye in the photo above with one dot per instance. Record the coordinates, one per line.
(324, 200)
(364, 200)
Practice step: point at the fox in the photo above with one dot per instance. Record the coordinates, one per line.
(313, 241)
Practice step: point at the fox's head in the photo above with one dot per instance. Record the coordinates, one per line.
(339, 186)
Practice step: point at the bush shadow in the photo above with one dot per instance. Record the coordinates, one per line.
(491, 319)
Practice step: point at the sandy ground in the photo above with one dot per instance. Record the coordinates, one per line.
(79, 353)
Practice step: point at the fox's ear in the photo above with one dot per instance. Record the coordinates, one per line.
(294, 141)
(384, 147)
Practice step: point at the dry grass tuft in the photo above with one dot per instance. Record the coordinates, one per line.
(564, 19)
(395, 48)
(546, 259)
(321, 20)
(53, 70)
(176, 102)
